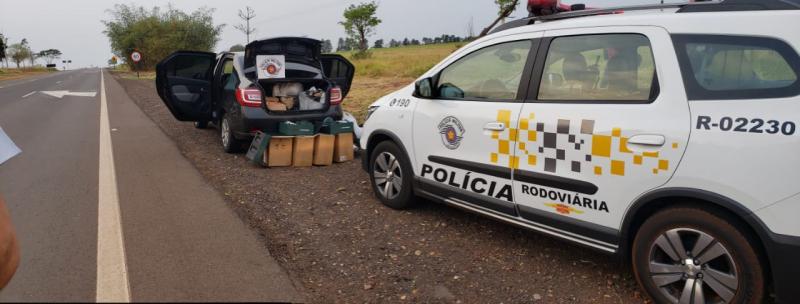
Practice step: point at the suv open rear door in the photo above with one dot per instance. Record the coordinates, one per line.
(183, 81)
(339, 70)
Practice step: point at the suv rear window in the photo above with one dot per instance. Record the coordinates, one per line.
(737, 67)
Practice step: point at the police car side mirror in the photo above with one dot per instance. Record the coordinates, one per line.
(424, 88)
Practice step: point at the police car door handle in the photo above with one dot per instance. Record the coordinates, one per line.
(647, 140)
(495, 126)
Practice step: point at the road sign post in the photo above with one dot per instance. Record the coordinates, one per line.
(136, 57)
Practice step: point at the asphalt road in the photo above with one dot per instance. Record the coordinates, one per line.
(167, 236)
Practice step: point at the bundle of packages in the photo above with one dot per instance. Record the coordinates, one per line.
(312, 99)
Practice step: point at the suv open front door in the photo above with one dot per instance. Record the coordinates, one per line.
(339, 70)
(183, 81)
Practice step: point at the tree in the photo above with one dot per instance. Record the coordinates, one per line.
(246, 15)
(394, 43)
(3, 47)
(156, 33)
(360, 22)
(378, 44)
(237, 48)
(406, 42)
(506, 7)
(31, 56)
(327, 46)
(340, 46)
(50, 55)
(18, 53)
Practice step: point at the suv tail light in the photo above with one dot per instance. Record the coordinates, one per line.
(250, 97)
(336, 96)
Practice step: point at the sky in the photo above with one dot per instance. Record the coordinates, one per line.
(75, 26)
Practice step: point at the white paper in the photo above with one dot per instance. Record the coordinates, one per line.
(271, 66)
(7, 147)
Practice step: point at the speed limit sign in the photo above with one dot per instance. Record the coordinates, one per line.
(136, 56)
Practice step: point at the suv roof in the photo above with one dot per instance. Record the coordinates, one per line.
(697, 7)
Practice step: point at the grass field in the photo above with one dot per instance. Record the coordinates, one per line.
(8, 74)
(389, 70)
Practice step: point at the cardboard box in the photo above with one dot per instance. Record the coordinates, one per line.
(288, 101)
(257, 148)
(323, 149)
(300, 128)
(337, 127)
(276, 106)
(279, 152)
(343, 148)
(303, 154)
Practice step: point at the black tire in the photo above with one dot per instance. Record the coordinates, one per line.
(734, 275)
(402, 173)
(230, 144)
(201, 124)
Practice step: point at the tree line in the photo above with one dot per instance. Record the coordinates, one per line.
(350, 44)
(21, 52)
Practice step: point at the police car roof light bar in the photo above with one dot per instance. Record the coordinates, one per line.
(560, 12)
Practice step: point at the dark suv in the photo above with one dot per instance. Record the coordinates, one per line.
(274, 80)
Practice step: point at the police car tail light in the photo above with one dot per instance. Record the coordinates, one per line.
(336, 96)
(249, 97)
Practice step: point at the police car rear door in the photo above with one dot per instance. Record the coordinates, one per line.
(606, 120)
(463, 136)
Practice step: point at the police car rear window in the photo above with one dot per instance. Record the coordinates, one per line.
(737, 67)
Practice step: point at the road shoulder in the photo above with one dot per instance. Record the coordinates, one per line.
(183, 243)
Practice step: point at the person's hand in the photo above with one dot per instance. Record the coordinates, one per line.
(9, 248)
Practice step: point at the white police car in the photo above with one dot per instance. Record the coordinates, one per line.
(667, 135)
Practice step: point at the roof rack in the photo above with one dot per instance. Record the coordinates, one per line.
(723, 6)
(743, 5)
(587, 12)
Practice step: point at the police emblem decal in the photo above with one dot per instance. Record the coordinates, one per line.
(271, 66)
(452, 132)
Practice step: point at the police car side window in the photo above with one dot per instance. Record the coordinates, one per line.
(599, 68)
(491, 73)
(737, 67)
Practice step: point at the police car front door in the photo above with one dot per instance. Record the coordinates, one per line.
(606, 122)
(456, 134)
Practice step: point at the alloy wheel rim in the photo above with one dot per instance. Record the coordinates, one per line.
(225, 133)
(388, 175)
(689, 266)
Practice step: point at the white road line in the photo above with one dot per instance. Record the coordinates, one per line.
(58, 82)
(29, 94)
(112, 270)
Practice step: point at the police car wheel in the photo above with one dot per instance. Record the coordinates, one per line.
(391, 176)
(688, 255)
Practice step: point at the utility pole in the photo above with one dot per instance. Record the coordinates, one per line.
(246, 15)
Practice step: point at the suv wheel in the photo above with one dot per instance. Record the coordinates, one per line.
(688, 255)
(229, 142)
(391, 176)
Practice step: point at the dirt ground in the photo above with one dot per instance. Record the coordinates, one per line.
(340, 245)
